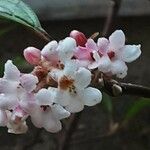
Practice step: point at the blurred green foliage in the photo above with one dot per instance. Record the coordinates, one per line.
(136, 108)
(133, 109)
(107, 103)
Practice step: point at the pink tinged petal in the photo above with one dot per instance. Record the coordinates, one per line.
(82, 78)
(91, 96)
(66, 48)
(8, 102)
(28, 81)
(82, 53)
(18, 112)
(60, 112)
(79, 37)
(91, 45)
(102, 44)
(49, 52)
(117, 40)
(11, 71)
(95, 63)
(104, 64)
(44, 97)
(32, 55)
(27, 101)
(3, 118)
(119, 68)
(130, 53)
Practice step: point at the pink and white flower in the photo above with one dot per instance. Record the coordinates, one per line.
(73, 92)
(47, 114)
(109, 56)
(15, 91)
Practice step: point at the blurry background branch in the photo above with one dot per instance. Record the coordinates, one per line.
(111, 17)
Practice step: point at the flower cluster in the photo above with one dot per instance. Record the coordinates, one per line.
(61, 82)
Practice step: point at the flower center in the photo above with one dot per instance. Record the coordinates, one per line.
(65, 83)
(44, 107)
(111, 54)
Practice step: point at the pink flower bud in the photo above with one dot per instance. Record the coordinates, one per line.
(32, 55)
(79, 37)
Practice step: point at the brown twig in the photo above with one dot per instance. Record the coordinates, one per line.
(111, 87)
(111, 17)
(67, 132)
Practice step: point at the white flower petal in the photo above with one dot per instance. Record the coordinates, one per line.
(59, 112)
(82, 78)
(55, 74)
(70, 67)
(93, 65)
(104, 64)
(3, 118)
(96, 56)
(83, 63)
(7, 86)
(117, 40)
(37, 116)
(130, 53)
(66, 48)
(75, 105)
(8, 102)
(11, 71)
(119, 68)
(28, 81)
(49, 51)
(61, 97)
(52, 125)
(27, 101)
(44, 97)
(92, 96)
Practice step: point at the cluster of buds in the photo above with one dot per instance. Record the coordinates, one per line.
(60, 83)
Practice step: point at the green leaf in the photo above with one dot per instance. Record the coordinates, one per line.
(136, 108)
(18, 11)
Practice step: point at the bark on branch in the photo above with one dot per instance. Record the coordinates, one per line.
(114, 88)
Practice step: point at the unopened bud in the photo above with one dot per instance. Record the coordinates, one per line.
(32, 55)
(117, 90)
(79, 37)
